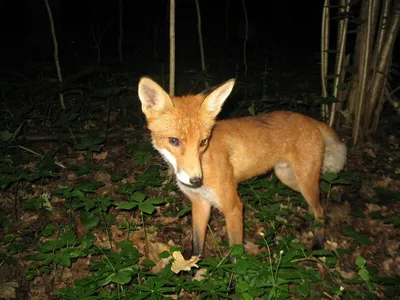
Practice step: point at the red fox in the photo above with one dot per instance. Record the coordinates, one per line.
(210, 158)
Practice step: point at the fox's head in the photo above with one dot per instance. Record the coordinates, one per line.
(181, 126)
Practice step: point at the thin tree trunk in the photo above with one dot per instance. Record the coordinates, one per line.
(324, 56)
(340, 57)
(121, 32)
(382, 68)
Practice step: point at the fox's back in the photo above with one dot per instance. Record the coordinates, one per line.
(256, 144)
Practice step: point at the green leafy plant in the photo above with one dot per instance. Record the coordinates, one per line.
(91, 144)
(142, 202)
(59, 252)
(364, 274)
(330, 179)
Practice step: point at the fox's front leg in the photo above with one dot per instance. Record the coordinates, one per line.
(200, 215)
(232, 209)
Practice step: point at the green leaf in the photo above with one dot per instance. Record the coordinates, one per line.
(184, 211)
(304, 289)
(251, 109)
(33, 204)
(357, 214)
(349, 231)
(96, 148)
(363, 239)
(148, 208)
(9, 238)
(237, 250)
(127, 205)
(89, 187)
(376, 215)
(148, 263)
(359, 238)
(68, 238)
(297, 246)
(121, 277)
(155, 200)
(138, 197)
(5, 136)
(89, 220)
(360, 261)
(325, 186)
(96, 141)
(117, 176)
(242, 287)
(322, 252)
(63, 259)
(330, 177)
(164, 254)
(48, 230)
(126, 189)
(88, 240)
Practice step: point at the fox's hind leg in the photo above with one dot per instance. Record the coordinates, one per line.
(287, 176)
(307, 167)
(309, 188)
(304, 177)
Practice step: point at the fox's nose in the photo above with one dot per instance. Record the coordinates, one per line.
(195, 181)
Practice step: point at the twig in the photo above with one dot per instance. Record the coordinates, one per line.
(40, 155)
(246, 37)
(172, 48)
(98, 35)
(56, 60)
(203, 61)
(55, 136)
(96, 43)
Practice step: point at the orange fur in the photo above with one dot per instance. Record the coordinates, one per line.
(213, 157)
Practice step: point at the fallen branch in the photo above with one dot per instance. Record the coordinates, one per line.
(55, 136)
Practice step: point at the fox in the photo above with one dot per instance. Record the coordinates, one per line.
(211, 157)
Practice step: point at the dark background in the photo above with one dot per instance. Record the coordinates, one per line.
(289, 30)
(283, 42)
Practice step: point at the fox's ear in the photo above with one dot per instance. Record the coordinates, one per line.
(153, 97)
(212, 104)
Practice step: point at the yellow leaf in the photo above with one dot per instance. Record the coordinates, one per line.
(181, 264)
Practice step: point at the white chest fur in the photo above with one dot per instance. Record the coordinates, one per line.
(203, 192)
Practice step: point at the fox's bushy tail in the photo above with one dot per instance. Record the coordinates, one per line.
(335, 155)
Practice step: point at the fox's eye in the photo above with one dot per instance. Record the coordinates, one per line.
(203, 143)
(174, 141)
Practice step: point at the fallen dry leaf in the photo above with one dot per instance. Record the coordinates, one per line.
(252, 248)
(348, 275)
(200, 274)
(181, 264)
(370, 152)
(100, 156)
(8, 289)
